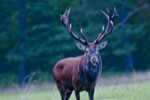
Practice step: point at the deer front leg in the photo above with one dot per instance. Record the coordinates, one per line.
(91, 93)
(77, 93)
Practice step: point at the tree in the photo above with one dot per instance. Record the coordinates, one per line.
(22, 27)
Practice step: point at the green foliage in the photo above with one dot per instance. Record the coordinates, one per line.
(7, 81)
(47, 41)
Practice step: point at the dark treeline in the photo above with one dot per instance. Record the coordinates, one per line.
(39, 41)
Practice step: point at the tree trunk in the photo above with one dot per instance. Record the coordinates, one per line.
(22, 26)
(128, 55)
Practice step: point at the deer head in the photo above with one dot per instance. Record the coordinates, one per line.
(91, 49)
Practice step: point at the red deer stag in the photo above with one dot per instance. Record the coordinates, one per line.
(80, 73)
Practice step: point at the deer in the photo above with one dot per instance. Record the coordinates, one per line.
(81, 73)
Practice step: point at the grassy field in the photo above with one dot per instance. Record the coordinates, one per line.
(130, 91)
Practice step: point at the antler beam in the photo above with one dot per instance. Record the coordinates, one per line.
(65, 20)
(110, 25)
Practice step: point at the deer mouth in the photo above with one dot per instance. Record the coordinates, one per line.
(94, 63)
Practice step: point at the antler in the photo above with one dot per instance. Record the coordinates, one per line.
(65, 19)
(109, 27)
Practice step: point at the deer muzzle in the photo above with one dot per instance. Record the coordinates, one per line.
(94, 60)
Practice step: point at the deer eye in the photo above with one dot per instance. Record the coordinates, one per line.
(86, 50)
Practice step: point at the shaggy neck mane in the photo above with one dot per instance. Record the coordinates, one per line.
(90, 72)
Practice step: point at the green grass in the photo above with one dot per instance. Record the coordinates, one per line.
(132, 91)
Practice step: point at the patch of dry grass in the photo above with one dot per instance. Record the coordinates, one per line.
(135, 86)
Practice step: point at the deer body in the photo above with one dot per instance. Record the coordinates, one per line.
(76, 72)
(81, 73)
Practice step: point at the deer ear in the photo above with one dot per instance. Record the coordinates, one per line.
(102, 45)
(80, 46)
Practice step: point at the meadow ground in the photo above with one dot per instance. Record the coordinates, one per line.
(131, 90)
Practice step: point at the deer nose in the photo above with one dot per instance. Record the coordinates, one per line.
(94, 60)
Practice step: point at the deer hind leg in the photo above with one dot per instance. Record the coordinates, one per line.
(64, 92)
(61, 91)
(67, 95)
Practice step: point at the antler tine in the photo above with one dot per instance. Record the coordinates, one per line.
(65, 20)
(83, 35)
(110, 24)
(106, 15)
(107, 10)
(100, 34)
